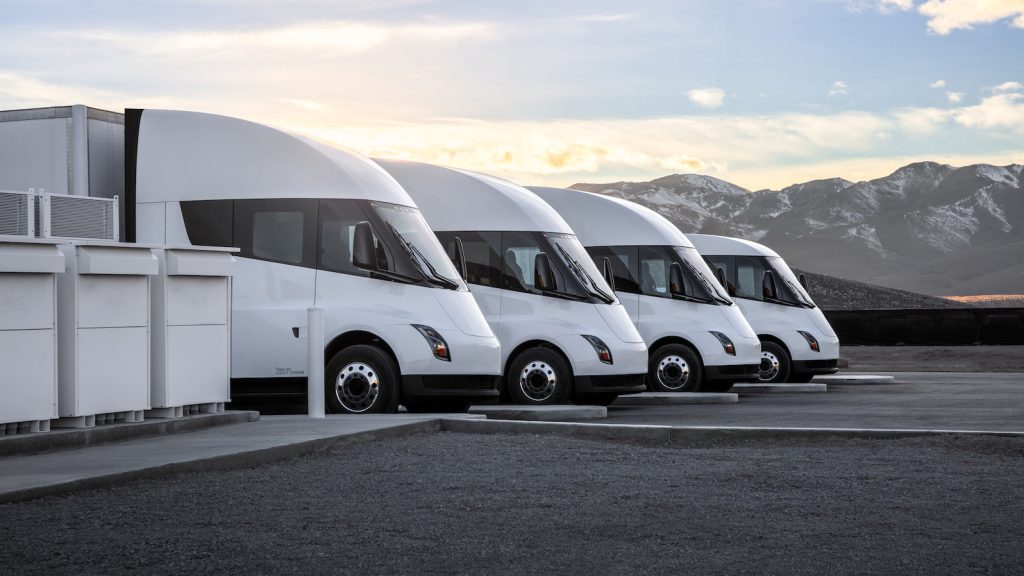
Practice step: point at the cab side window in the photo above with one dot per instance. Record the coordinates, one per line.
(625, 265)
(338, 219)
(482, 250)
(277, 230)
(750, 277)
(209, 222)
(654, 272)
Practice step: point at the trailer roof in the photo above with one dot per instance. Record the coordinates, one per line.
(457, 200)
(198, 156)
(709, 245)
(606, 221)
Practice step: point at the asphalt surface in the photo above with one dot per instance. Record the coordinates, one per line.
(448, 503)
(929, 401)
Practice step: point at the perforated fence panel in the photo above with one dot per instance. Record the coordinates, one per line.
(17, 214)
(79, 217)
(928, 327)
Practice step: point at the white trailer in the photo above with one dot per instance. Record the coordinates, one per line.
(563, 332)
(797, 341)
(697, 337)
(315, 226)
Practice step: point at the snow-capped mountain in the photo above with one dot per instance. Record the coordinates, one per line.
(926, 227)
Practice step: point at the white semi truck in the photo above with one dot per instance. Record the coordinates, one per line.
(563, 332)
(697, 337)
(797, 341)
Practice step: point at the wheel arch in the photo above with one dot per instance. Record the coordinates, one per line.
(536, 344)
(775, 340)
(354, 337)
(674, 340)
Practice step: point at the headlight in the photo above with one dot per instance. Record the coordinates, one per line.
(437, 344)
(603, 353)
(725, 342)
(811, 340)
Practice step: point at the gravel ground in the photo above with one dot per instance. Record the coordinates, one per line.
(934, 358)
(524, 504)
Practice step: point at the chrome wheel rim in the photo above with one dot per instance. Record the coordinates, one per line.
(357, 387)
(769, 368)
(673, 372)
(538, 380)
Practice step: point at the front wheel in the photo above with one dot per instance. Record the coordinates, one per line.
(361, 380)
(538, 376)
(775, 364)
(674, 368)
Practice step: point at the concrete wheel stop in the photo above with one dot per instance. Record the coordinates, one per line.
(758, 388)
(854, 379)
(550, 413)
(677, 398)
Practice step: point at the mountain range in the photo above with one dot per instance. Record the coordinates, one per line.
(927, 227)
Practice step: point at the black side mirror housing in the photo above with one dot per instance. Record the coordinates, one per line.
(676, 285)
(460, 259)
(803, 281)
(720, 274)
(364, 254)
(606, 270)
(768, 286)
(543, 275)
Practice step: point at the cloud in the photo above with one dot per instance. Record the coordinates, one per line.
(944, 16)
(317, 38)
(1008, 87)
(954, 97)
(1001, 111)
(938, 84)
(618, 17)
(889, 6)
(707, 97)
(838, 88)
(308, 105)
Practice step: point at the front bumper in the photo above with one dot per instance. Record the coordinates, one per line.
(611, 384)
(815, 366)
(731, 373)
(456, 386)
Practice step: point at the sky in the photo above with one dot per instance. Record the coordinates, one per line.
(761, 93)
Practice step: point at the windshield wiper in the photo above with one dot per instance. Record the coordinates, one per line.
(707, 285)
(417, 256)
(581, 273)
(802, 302)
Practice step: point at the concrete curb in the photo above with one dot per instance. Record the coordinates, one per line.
(677, 398)
(235, 460)
(854, 379)
(67, 439)
(556, 413)
(665, 434)
(779, 388)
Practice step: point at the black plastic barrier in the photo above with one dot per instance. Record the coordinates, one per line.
(928, 327)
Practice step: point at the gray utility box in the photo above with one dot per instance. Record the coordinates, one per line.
(103, 305)
(28, 336)
(191, 331)
(63, 150)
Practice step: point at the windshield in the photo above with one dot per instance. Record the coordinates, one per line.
(789, 286)
(700, 278)
(410, 230)
(575, 257)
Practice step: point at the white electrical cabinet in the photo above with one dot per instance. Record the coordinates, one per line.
(191, 331)
(103, 305)
(28, 339)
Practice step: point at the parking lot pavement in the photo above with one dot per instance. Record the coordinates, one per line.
(447, 503)
(917, 400)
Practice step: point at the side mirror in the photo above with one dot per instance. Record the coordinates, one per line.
(364, 254)
(460, 258)
(543, 276)
(768, 285)
(720, 274)
(803, 281)
(606, 270)
(676, 286)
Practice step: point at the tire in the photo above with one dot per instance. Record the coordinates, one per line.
(797, 378)
(597, 399)
(436, 406)
(775, 364)
(717, 386)
(361, 380)
(538, 376)
(674, 368)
